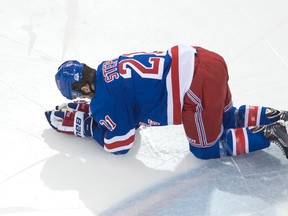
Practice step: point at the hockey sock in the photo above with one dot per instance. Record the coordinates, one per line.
(255, 115)
(242, 141)
(229, 120)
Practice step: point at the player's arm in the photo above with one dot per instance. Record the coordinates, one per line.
(79, 123)
(116, 130)
(119, 144)
(116, 134)
(71, 122)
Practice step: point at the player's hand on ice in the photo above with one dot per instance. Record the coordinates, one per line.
(79, 105)
(71, 122)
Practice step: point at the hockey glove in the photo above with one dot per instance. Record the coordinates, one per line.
(71, 122)
(80, 105)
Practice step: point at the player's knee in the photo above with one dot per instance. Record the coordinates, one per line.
(242, 141)
(206, 153)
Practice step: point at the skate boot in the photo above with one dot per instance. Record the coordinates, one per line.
(271, 113)
(276, 133)
(284, 116)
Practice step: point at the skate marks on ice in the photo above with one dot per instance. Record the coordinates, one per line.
(255, 184)
(101, 179)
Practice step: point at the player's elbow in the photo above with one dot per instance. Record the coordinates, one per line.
(119, 149)
(121, 152)
(119, 144)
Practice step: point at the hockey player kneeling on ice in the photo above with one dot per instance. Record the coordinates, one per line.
(184, 85)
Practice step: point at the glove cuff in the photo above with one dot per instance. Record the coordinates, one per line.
(79, 124)
(83, 124)
(83, 107)
(88, 125)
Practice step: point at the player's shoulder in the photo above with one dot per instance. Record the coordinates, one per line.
(105, 101)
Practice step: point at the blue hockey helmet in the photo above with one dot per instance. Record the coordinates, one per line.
(69, 72)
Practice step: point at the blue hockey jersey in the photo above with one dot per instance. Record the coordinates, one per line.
(139, 89)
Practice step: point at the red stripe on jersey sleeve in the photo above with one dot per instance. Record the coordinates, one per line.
(240, 141)
(175, 85)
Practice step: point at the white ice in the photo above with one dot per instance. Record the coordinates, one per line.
(44, 173)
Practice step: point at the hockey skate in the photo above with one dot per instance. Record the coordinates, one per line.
(273, 113)
(276, 133)
(284, 116)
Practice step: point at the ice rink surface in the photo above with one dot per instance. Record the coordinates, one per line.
(43, 173)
